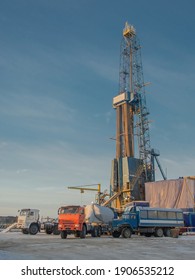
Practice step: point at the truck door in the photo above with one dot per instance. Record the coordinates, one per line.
(31, 216)
(133, 219)
(81, 216)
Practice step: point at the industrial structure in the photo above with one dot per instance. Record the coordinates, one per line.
(134, 162)
(100, 197)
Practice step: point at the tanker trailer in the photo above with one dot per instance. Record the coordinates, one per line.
(97, 219)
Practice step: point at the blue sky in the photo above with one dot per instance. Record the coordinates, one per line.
(59, 70)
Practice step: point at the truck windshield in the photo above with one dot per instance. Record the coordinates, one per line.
(128, 209)
(69, 210)
(24, 212)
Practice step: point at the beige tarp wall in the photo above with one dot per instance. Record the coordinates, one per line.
(179, 193)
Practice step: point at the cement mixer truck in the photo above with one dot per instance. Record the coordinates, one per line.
(81, 220)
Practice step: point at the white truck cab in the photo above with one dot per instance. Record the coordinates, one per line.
(28, 221)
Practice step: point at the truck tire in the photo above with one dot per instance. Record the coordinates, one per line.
(34, 228)
(48, 231)
(25, 231)
(56, 231)
(148, 234)
(158, 232)
(167, 232)
(63, 234)
(77, 233)
(95, 232)
(99, 232)
(116, 234)
(83, 232)
(126, 232)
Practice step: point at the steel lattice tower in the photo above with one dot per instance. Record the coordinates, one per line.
(129, 172)
(132, 82)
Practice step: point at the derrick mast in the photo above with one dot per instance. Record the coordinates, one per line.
(132, 165)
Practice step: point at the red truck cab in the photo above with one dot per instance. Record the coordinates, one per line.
(71, 220)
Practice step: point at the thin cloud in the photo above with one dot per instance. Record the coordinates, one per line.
(20, 171)
(108, 116)
(105, 70)
(48, 171)
(99, 63)
(178, 168)
(33, 106)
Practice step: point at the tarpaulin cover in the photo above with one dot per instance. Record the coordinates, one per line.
(179, 193)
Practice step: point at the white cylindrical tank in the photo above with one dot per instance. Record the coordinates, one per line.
(95, 213)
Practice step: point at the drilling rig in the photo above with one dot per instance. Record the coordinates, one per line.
(134, 162)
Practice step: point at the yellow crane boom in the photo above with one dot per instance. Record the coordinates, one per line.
(83, 188)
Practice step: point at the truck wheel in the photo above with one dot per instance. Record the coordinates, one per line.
(94, 232)
(126, 232)
(25, 231)
(48, 231)
(63, 234)
(116, 234)
(99, 232)
(167, 232)
(33, 229)
(158, 232)
(77, 234)
(56, 231)
(148, 234)
(83, 232)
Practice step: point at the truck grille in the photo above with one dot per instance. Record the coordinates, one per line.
(68, 222)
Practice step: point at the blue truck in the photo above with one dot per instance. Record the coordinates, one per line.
(189, 222)
(147, 221)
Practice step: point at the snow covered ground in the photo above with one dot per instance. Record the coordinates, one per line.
(16, 246)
